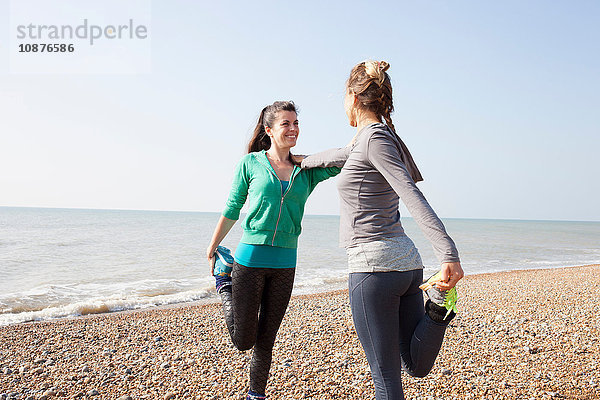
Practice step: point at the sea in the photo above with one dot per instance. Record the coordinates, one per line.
(57, 263)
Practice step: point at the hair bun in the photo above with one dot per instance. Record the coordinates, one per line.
(376, 70)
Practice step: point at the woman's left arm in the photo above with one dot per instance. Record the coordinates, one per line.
(324, 165)
(327, 158)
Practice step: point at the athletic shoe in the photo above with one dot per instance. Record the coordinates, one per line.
(442, 298)
(222, 269)
(223, 262)
(255, 396)
(223, 283)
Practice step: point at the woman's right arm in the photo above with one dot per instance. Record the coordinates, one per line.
(383, 155)
(223, 227)
(233, 206)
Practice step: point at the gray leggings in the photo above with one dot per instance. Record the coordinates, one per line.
(395, 332)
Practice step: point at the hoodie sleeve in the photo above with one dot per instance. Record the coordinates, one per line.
(318, 175)
(239, 191)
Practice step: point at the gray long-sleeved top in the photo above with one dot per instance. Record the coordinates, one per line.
(370, 185)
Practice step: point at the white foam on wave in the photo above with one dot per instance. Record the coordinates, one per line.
(103, 305)
(58, 301)
(319, 284)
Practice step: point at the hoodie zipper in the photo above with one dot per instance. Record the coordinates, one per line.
(281, 203)
(282, 194)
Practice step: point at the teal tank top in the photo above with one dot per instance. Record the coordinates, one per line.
(265, 256)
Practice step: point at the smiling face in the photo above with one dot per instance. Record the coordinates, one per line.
(285, 130)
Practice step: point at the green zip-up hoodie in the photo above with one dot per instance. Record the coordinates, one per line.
(273, 218)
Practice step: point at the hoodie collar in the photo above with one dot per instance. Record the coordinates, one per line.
(261, 157)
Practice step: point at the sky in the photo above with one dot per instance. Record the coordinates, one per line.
(497, 101)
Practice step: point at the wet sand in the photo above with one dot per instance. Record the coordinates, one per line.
(532, 334)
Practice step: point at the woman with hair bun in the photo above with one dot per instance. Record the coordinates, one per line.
(256, 293)
(397, 331)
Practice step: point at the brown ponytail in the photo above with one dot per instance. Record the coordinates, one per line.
(373, 87)
(370, 82)
(260, 140)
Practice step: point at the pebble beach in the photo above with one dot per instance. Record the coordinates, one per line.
(531, 334)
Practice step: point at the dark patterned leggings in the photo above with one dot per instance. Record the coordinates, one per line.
(254, 309)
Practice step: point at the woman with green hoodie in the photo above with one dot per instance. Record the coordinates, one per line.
(256, 295)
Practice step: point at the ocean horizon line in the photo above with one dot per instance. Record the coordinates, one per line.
(306, 215)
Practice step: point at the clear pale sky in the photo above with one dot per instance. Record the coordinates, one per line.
(498, 102)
